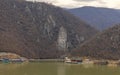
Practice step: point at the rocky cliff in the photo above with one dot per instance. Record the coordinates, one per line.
(39, 30)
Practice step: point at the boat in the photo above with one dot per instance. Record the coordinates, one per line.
(73, 61)
(5, 60)
(67, 60)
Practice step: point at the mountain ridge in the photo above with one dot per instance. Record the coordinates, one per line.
(98, 17)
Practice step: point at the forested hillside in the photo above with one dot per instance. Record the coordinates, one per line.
(105, 45)
(40, 30)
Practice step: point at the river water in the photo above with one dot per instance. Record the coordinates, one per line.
(52, 68)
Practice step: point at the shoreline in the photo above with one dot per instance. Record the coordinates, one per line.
(111, 63)
(46, 60)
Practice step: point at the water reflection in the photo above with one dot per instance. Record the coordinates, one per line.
(10, 69)
(61, 70)
(88, 65)
(11, 66)
(56, 69)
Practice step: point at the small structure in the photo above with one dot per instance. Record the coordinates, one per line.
(5, 60)
(67, 60)
(16, 61)
(73, 61)
(77, 61)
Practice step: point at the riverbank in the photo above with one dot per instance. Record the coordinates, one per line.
(46, 60)
(85, 61)
(92, 61)
(110, 63)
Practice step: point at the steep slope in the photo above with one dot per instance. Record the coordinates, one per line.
(100, 18)
(39, 30)
(105, 45)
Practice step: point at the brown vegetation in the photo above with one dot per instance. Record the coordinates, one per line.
(105, 45)
(31, 29)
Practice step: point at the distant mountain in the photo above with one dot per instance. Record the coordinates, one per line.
(105, 45)
(100, 18)
(119, 10)
(39, 30)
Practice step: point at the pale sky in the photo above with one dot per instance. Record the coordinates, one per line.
(79, 3)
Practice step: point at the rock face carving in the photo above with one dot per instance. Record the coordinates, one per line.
(62, 39)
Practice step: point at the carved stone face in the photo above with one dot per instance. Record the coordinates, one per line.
(62, 39)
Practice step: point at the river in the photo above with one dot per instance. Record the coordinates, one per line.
(52, 68)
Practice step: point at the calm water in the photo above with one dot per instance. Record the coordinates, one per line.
(56, 69)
